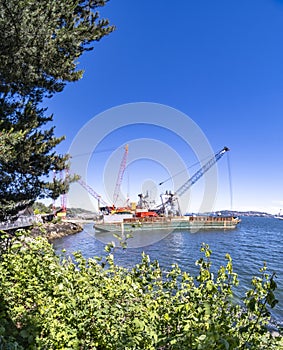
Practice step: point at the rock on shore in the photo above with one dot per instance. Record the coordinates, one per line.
(56, 230)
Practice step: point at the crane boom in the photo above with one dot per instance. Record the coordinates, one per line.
(92, 192)
(120, 175)
(201, 172)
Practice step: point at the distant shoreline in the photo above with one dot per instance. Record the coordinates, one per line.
(245, 213)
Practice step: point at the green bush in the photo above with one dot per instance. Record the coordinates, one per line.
(51, 302)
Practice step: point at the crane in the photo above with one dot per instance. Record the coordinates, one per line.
(181, 190)
(63, 196)
(171, 198)
(64, 175)
(91, 191)
(120, 175)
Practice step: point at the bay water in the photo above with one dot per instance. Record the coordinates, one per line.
(256, 240)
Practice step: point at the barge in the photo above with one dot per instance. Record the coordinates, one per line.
(167, 215)
(191, 223)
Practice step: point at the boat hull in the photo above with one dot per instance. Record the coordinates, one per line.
(192, 223)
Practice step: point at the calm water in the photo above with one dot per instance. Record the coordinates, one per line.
(254, 241)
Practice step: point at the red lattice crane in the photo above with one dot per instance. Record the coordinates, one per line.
(120, 175)
(91, 191)
(63, 175)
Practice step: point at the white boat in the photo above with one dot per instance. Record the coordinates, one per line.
(279, 216)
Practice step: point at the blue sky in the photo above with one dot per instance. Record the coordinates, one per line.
(218, 62)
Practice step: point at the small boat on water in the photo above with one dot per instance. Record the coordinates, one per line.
(122, 223)
(279, 216)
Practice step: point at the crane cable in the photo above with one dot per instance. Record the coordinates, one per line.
(180, 172)
(88, 153)
(230, 181)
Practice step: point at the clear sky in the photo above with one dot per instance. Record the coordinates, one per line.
(218, 62)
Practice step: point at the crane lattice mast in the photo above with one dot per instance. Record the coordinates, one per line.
(64, 174)
(173, 198)
(201, 172)
(120, 175)
(91, 191)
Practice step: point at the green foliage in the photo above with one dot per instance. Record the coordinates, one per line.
(8, 141)
(51, 302)
(41, 208)
(79, 212)
(31, 157)
(40, 43)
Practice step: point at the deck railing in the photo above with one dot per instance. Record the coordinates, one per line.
(21, 222)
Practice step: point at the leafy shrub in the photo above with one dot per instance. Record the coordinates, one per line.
(48, 302)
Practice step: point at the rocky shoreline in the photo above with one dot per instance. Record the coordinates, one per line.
(56, 230)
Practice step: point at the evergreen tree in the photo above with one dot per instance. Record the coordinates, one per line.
(40, 42)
